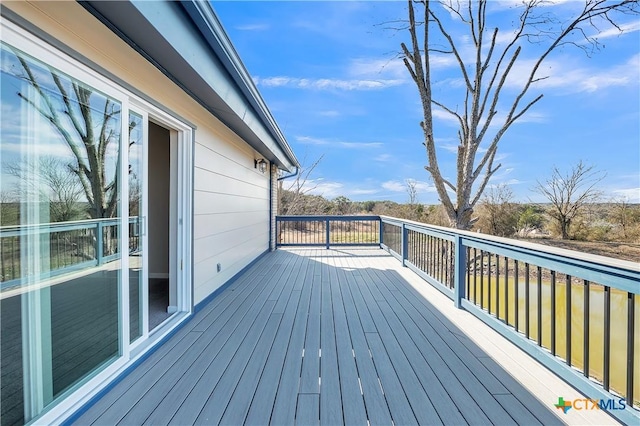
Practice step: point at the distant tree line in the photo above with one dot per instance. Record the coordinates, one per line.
(497, 213)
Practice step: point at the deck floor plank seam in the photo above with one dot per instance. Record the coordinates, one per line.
(243, 395)
(353, 405)
(265, 395)
(283, 412)
(375, 401)
(230, 360)
(447, 362)
(450, 344)
(203, 387)
(471, 356)
(416, 374)
(227, 324)
(460, 385)
(244, 360)
(330, 392)
(310, 371)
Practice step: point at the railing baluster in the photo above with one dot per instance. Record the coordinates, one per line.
(539, 307)
(498, 286)
(328, 233)
(460, 266)
(431, 257)
(516, 296)
(482, 279)
(475, 276)
(553, 313)
(468, 266)
(607, 338)
(585, 326)
(489, 295)
(506, 290)
(568, 318)
(630, 346)
(527, 312)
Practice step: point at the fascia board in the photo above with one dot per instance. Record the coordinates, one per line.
(166, 35)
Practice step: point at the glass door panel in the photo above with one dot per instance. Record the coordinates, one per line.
(59, 234)
(137, 226)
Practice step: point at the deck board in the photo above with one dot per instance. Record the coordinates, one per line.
(375, 351)
(330, 394)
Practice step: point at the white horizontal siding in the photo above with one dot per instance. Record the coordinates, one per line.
(231, 197)
(209, 248)
(208, 224)
(232, 261)
(227, 186)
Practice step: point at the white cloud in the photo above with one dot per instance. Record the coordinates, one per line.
(384, 158)
(355, 145)
(449, 147)
(395, 186)
(252, 27)
(332, 189)
(363, 191)
(630, 27)
(564, 74)
(440, 114)
(329, 113)
(401, 186)
(631, 195)
(326, 83)
(325, 189)
(378, 67)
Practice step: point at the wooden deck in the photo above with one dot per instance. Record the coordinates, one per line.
(315, 336)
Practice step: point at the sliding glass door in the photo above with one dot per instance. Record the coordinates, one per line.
(137, 139)
(74, 210)
(61, 240)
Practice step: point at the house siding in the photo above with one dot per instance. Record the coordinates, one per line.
(231, 197)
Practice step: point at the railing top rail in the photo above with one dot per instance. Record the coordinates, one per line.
(534, 248)
(350, 218)
(77, 223)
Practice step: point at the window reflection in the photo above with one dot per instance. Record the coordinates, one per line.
(59, 233)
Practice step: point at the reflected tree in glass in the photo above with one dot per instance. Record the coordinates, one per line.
(88, 122)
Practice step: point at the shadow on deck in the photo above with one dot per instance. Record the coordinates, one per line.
(315, 336)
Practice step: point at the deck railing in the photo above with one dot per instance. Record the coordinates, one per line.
(575, 313)
(328, 231)
(70, 245)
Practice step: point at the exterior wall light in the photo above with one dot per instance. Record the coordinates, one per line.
(260, 165)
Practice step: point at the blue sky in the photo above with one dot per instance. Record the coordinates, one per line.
(330, 73)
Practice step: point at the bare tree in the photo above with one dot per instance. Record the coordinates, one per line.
(499, 213)
(292, 195)
(570, 193)
(484, 74)
(86, 131)
(412, 190)
(624, 215)
(57, 183)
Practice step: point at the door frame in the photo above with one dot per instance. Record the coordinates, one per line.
(180, 218)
